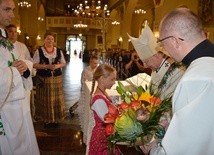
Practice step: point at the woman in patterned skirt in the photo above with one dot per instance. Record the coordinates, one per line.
(49, 102)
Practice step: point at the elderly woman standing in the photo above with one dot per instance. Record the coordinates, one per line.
(49, 61)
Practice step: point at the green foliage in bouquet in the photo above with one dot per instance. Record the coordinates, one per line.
(127, 127)
(137, 116)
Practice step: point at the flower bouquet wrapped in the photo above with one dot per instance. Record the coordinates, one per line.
(135, 121)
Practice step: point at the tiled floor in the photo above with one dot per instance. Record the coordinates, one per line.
(67, 138)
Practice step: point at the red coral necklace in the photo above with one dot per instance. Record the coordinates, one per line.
(49, 51)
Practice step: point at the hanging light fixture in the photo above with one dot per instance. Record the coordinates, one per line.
(40, 19)
(24, 4)
(140, 11)
(115, 22)
(92, 9)
(80, 25)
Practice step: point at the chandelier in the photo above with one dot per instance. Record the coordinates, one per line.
(80, 25)
(92, 9)
(115, 22)
(24, 4)
(140, 11)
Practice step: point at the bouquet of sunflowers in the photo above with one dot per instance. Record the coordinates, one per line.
(137, 117)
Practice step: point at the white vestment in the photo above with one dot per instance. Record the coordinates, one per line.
(19, 138)
(22, 51)
(87, 75)
(171, 81)
(192, 126)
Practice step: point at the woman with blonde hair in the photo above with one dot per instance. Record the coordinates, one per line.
(105, 75)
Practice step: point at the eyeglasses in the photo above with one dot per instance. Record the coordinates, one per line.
(160, 40)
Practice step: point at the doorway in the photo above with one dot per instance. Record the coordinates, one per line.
(75, 45)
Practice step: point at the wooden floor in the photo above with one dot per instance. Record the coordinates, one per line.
(67, 138)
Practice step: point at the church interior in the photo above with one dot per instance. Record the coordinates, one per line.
(78, 31)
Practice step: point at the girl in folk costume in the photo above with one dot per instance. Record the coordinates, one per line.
(105, 75)
(49, 61)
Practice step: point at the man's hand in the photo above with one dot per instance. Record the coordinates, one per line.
(147, 147)
(20, 66)
(164, 123)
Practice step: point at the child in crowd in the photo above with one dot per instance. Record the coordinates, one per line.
(105, 75)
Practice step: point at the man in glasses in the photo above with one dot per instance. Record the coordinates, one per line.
(191, 128)
(165, 72)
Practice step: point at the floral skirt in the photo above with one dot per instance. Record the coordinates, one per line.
(49, 100)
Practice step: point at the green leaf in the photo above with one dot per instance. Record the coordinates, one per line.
(121, 85)
(127, 99)
(140, 90)
(119, 90)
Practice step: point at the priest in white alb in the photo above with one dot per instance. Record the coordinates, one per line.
(17, 136)
(191, 129)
